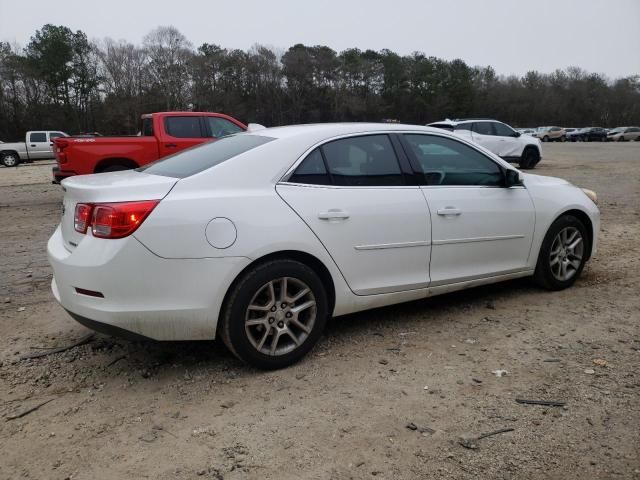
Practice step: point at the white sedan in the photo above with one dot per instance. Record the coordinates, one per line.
(261, 236)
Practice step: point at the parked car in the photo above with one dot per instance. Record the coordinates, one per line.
(623, 134)
(592, 134)
(261, 236)
(498, 138)
(38, 145)
(573, 134)
(162, 134)
(527, 131)
(551, 134)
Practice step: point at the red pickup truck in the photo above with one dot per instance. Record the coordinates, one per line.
(162, 134)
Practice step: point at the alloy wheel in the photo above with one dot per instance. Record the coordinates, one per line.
(566, 253)
(10, 160)
(280, 316)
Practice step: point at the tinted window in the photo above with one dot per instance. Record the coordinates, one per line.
(502, 130)
(147, 127)
(448, 162)
(634, 129)
(312, 170)
(53, 135)
(363, 161)
(444, 126)
(483, 128)
(220, 127)
(197, 159)
(38, 137)
(464, 126)
(555, 129)
(183, 127)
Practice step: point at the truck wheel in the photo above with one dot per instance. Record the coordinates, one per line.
(530, 157)
(10, 160)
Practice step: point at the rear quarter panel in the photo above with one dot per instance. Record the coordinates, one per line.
(84, 154)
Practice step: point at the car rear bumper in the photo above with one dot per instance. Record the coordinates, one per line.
(141, 294)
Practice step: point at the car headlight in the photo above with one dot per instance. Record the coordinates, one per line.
(591, 194)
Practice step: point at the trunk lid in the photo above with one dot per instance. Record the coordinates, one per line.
(122, 186)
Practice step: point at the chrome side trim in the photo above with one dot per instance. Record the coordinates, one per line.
(381, 246)
(476, 239)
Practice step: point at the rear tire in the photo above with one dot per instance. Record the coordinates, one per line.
(264, 324)
(563, 139)
(563, 254)
(10, 160)
(545, 139)
(529, 159)
(621, 138)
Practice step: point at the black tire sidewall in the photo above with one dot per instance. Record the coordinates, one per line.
(234, 333)
(543, 274)
(529, 159)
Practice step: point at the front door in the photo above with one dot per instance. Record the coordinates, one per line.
(353, 195)
(479, 228)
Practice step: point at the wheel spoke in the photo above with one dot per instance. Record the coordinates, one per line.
(264, 338)
(274, 342)
(575, 264)
(554, 261)
(283, 290)
(293, 337)
(299, 295)
(303, 306)
(563, 270)
(272, 293)
(260, 308)
(300, 325)
(575, 243)
(256, 321)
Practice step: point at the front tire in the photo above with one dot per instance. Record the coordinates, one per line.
(563, 254)
(545, 139)
(275, 314)
(529, 158)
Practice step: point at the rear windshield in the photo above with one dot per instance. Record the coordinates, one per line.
(197, 159)
(444, 126)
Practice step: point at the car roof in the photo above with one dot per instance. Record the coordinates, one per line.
(327, 130)
(458, 121)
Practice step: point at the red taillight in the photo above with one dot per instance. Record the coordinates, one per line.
(112, 220)
(82, 217)
(118, 220)
(61, 144)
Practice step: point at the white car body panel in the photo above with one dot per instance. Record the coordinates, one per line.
(168, 280)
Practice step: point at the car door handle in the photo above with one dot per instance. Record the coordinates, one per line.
(333, 214)
(449, 211)
(170, 145)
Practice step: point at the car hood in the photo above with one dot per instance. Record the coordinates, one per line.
(532, 179)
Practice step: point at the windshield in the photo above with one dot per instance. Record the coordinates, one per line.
(197, 159)
(617, 130)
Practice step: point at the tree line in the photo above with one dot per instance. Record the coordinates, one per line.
(63, 81)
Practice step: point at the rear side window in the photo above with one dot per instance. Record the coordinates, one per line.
(183, 127)
(312, 170)
(199, 158)
(483, 128)
(38, 137)
(53, 135)
(445, 161)
(363, 161)
(147, 127)
(221, 127)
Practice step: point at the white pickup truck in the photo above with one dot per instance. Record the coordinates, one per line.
(38, 145)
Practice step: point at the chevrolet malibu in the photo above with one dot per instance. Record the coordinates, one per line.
(262, 236)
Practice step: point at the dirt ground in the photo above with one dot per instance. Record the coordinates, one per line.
(120, 409)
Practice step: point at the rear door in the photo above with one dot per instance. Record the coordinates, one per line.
(354, 194)
(38, 146)
(479, 228)
(181, 132)
(484, 135)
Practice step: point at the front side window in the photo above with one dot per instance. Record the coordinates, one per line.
(199, 158)
(483, 128)
(53, 135)
(445, 161)
(183, 127)
(220, 127)
(363, 161)
(38, 137)
(502, 130)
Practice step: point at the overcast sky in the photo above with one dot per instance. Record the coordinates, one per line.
(513, 36)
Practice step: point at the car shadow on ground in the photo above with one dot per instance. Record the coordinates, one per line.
(151, 357)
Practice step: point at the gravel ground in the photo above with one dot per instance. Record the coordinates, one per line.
(120, 409)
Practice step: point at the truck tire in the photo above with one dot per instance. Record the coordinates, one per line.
(10, 159)
(114, 168)
(529, 158)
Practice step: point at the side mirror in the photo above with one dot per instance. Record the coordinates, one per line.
(517, 134)
(512, 178)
